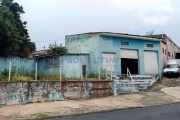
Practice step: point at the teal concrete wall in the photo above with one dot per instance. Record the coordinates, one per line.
(71, 65)
(18, 65)
(85, 43)
(113, 44)
(95, 45)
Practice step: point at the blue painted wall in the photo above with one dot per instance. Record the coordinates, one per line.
(71, 65)
(113, 44)
(85, 43)
(18, 64)
(95, 45)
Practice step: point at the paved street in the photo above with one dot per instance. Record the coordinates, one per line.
(169, 112)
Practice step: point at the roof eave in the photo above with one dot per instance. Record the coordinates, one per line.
(133, 37)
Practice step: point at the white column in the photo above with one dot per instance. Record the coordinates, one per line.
(81, 72)
(111, 72)
(99, 73)
(9, 72)
(36, 72)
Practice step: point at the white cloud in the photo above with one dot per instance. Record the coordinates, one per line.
(159, 20)
(53, 19)
(151, 12)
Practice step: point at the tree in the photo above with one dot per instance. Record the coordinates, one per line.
(57, 49)
(14, 37)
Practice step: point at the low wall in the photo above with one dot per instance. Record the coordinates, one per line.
(30, 92)
(18, 65)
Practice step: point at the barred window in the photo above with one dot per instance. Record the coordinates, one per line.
(51, 61)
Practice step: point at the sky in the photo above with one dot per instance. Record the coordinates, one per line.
(50, 21)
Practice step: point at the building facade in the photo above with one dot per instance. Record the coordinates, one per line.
(114, 52)
(168, 48)
(68, 65)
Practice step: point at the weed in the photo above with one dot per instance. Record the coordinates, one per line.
(21, 78)
(92, 75)
(42, 115)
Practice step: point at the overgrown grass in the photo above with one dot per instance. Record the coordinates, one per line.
(42, 115)
(92, 75)
(21, 78)
(21, 74)
(51, 77)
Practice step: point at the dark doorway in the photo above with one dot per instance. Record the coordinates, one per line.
(84, 70)
(132, 64)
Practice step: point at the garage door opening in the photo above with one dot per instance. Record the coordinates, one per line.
(131, 64)
(129, 59)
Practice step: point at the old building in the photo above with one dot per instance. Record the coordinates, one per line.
(168, 48)
(109, 53)
(115, 52)
(70, 64)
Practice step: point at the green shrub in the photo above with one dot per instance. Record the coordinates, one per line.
(92, 75)
(21, 78)
(51, 77)
(3, 78)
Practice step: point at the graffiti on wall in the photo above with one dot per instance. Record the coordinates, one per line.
(101, 89)
(87, 86)
(72, 90)
(28, 92)
(76, 90)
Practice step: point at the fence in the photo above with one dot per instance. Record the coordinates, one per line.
(13, 67)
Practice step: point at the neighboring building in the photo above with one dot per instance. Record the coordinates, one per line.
(38, 53)
(72, 65)
(168, 48)
(116, 52)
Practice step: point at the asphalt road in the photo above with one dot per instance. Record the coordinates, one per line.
(168, 112)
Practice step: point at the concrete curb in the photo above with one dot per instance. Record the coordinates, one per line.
(95, 112)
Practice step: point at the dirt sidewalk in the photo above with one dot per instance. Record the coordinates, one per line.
(160, 94)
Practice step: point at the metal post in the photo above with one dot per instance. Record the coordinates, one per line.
(99, 73)
(106, 71)
(9, 72)
(36, 72)
(81, 73)
(60, 72)
(111, 72)
(127, 72)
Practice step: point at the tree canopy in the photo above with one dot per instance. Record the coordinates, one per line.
(56, 49)
(14, 37)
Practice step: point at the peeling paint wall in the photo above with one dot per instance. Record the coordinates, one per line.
(101, 89)
(30, 92)
(71, 65)
(85, 43)
(18, 64)
(96, 45)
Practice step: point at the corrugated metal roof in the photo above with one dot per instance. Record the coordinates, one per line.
(112, 33)
(62, 54)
